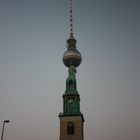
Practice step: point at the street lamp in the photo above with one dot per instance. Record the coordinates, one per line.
(6, 121)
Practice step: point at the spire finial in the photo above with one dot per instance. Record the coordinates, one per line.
(71, 20)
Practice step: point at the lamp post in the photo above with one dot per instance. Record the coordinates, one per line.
(6, 121)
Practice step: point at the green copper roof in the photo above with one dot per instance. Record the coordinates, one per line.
(71, 87)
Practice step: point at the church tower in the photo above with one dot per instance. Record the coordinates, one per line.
(71, 120)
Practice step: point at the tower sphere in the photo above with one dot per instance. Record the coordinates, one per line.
(72, 56)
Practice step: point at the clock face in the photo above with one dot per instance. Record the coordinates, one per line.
(70, 100)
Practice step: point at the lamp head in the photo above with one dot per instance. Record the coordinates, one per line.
(6, 121)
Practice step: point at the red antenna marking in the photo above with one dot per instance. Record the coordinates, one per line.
(71, 20)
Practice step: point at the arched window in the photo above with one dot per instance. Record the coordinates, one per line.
(70, 128)
(70, 84)
(67, 85)
(75, 84)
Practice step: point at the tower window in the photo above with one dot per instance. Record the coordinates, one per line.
(70, 84)
(70, 128)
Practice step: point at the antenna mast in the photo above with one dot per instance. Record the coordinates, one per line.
(71, 20)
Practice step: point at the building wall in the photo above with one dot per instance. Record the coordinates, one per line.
(78, 127)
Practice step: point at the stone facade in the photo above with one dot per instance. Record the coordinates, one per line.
(78, 128)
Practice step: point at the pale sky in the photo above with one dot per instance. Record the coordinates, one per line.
(33, 37)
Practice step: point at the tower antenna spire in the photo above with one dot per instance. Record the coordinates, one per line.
(71, 20)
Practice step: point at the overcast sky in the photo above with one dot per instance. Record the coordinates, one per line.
(33, 37)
